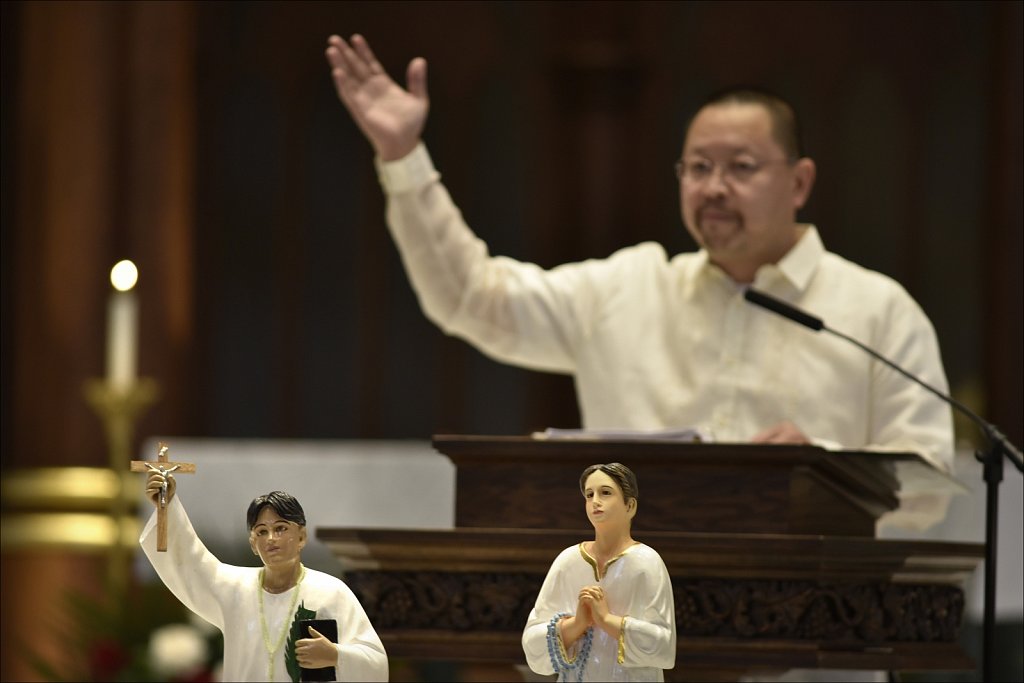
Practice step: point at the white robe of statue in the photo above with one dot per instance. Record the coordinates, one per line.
(637, 586)
(229, 598)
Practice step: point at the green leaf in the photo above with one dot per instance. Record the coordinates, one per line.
(293, 634)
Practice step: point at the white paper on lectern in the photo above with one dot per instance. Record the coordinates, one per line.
(689, 435)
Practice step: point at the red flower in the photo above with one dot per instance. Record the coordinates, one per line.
(106, 659)
(200, 675)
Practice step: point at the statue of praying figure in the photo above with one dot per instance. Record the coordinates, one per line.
(605, 611)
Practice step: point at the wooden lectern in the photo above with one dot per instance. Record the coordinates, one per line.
(771, 551)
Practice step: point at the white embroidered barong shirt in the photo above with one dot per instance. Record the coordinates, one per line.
(656, 343)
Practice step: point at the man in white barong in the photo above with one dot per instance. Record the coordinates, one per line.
(659, 342)
(605, 611)
(255, 607)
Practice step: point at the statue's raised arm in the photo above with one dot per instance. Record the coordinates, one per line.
(390, 117)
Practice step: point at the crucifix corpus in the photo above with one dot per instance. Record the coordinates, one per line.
(165, 467)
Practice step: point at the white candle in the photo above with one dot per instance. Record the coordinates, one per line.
(122, 327)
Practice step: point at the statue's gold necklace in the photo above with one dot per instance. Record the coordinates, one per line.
(271, 651)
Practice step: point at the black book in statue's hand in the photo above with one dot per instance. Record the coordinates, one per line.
(328, 628)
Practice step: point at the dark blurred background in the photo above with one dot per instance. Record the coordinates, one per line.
(206, 143)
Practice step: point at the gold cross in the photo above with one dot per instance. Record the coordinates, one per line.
(163, 467)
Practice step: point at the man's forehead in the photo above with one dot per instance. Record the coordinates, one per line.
(711, 148)
(735, 113)
(730, 127)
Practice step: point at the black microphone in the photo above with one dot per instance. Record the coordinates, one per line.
(783, 309)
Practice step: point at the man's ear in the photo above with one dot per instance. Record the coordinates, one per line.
(631, 507)
(252, 544)
(804, 173)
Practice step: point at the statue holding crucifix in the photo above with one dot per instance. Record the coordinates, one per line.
(268, 614)
(164, 485)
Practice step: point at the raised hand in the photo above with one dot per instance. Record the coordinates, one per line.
(391, 117)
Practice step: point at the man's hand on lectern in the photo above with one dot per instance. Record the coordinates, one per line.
(783, 432)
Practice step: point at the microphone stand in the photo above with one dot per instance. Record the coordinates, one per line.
(992, 465)
(991, 458)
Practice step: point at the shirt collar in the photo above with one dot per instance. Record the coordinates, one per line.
(796, 267)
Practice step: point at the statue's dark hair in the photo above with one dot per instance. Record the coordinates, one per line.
(283, 503)
(620, 474)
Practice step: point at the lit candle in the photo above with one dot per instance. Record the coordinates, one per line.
(122, 326)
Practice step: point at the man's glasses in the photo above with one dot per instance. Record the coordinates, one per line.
(738, 171)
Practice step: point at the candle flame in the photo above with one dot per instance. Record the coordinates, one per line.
(124, 275)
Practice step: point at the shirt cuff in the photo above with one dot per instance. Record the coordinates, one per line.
(412, 171)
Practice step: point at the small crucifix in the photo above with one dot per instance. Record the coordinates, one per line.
(164, 467)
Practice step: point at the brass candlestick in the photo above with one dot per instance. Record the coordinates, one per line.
(119, 407)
